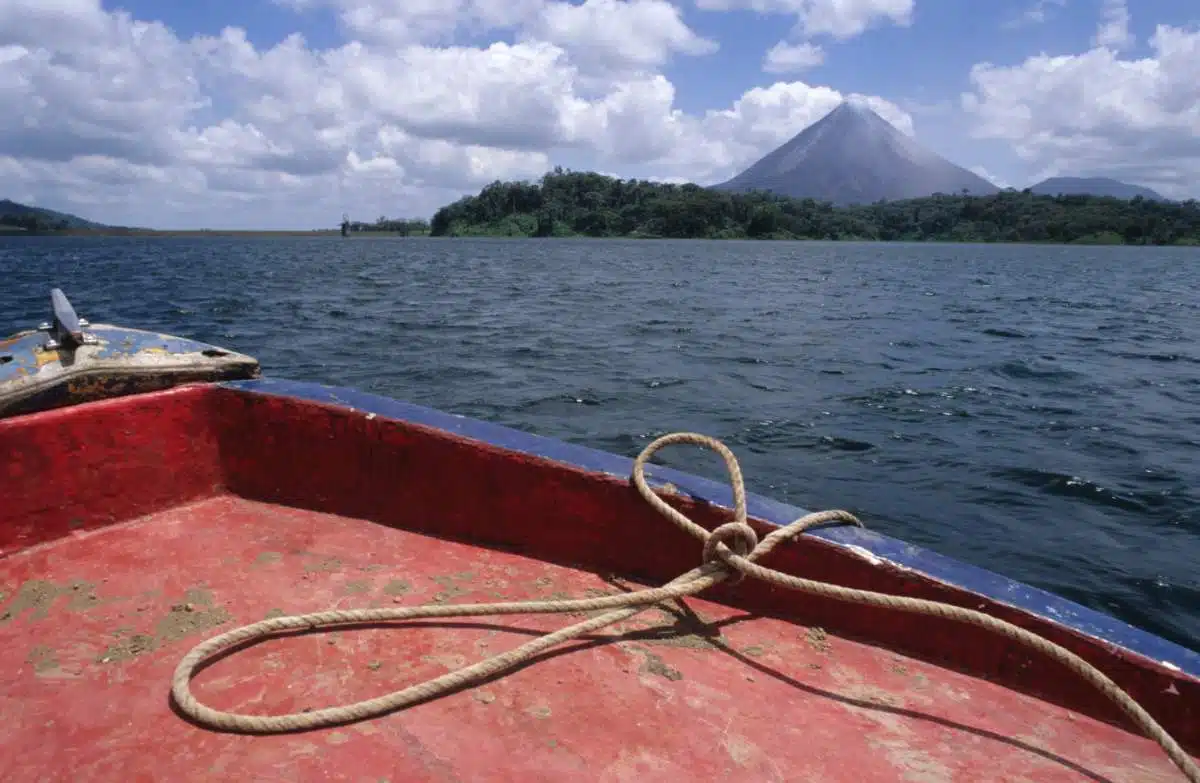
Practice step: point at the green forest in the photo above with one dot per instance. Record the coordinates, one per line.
(567, 203)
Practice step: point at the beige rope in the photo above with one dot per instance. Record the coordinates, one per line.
(729, 551)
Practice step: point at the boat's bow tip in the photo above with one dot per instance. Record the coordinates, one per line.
(68, 361)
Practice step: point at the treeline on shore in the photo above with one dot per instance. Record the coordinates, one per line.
(567, 203)
(402, 227)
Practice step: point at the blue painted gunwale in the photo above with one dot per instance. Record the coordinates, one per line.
(1041, 603)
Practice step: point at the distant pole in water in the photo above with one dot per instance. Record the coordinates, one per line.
(345, 224)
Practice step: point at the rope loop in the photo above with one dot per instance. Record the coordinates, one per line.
(728, 552)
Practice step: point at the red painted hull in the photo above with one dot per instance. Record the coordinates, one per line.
(132, 529)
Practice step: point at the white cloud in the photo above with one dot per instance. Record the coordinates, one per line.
(606, 33)
(792, 58)
(1113, 30)
(444, 164)
(399, 22)
(1096, 113)
(1037, 13)
(618, 33)
(70, 21)
(123, 121)
(520, 95)
(992, 178)
(848, 18)
(114, 87)
(840, 19)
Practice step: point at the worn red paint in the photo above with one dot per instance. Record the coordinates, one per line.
(132, 529)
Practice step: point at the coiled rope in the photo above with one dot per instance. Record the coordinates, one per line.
(729, 551)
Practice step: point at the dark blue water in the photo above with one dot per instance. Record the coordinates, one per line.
(1034, 410)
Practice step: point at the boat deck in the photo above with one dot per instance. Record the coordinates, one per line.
(94, 623)
(135, 528)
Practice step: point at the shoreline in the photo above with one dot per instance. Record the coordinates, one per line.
(334, 233)
(206, 232)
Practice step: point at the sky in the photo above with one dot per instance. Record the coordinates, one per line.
(288, 113)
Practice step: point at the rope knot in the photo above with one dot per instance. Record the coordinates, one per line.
(737, 536)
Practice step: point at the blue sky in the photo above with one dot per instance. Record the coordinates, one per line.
(213, 112)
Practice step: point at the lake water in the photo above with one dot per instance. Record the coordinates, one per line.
(1033, 410)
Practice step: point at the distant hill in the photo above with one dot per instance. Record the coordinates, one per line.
(1092, 186)
(25, 216)
(854, 156)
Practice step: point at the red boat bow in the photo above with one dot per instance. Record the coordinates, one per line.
(135, 528)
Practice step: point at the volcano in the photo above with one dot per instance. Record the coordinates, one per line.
(854, 156)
